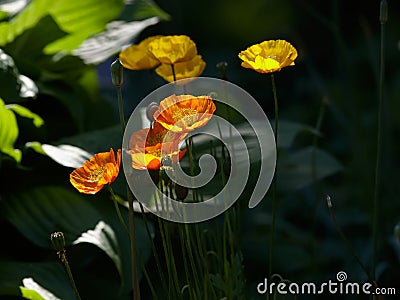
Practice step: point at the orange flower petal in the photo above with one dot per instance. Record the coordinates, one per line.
(100, 170)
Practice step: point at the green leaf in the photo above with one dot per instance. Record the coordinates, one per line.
(288, 131)
(14, 86)
(143, 9)
(67, 155)
(104, 237)
(37, 212)
(117, 34)
(304, 167)
(80, 19)
(34, 291)
(26, 113)
(36, 276)
(8, 132)
(96, 141)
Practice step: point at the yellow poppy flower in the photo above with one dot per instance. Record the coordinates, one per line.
(148, 147)
(268, 56)
(100, 170)
(138, 57)
(183, 70)
(184, 113)
(173, 49)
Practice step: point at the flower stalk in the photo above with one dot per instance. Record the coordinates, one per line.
(117, 79)
(383, 19)
(58, 241)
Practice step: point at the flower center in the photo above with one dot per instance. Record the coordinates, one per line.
(156, 153)
(183, 113)
(155, 137)
(96, 174)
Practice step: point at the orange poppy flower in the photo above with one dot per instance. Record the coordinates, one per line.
(100, 170)
(184, 113)
(183, 70)
(148, 147)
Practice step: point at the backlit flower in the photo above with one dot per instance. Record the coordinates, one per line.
(183, 70)
(138, 57)
(173, 49)
(149, 146)
(184, 113)
(268, 56)
(100, 170)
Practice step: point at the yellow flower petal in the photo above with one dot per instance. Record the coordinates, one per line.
(173, 49)
(138, 57)
(183, 70)
(268, 56)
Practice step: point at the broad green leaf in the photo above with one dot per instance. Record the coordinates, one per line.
(80, 19)
(30, 294)
(34, 291)
(26, 113)
(98, 48)
(103, 236)
(37, 276)
(96, 141)
(37, 212)
(142, 9)
(304, 167)
(14, 86)
(67, 155)
(8, 132)
(288, 131)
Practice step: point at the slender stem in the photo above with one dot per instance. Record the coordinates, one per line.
(344, 239)
(64, 260)
(271, 242)
(135, 280)
(383, 19)
(173, 72)
(120, 218)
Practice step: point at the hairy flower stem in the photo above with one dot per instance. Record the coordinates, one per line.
(375, 220)
(64, 260)
(272, 236)
(135, 281)
(345, 241)
(120, 218)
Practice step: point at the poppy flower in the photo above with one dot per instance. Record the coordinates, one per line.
(150, 145)
(173, 49)
(100, 170)
(183, 70)
(138, 57)
(268, 56)
(184, 113)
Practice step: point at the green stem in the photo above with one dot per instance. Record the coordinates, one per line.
(344, 239)
(173, 72)
(64, 260)
(274, 187)
(135, 280)
(383, 19)
(120, 218)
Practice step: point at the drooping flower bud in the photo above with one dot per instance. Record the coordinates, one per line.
(117, 75)
(150, 110)
(58, 240)
(222, 68)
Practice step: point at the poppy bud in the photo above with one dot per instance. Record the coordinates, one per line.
(222, 68)
(150, 110)
(117, 75)
(58, 241)
(166, 161)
